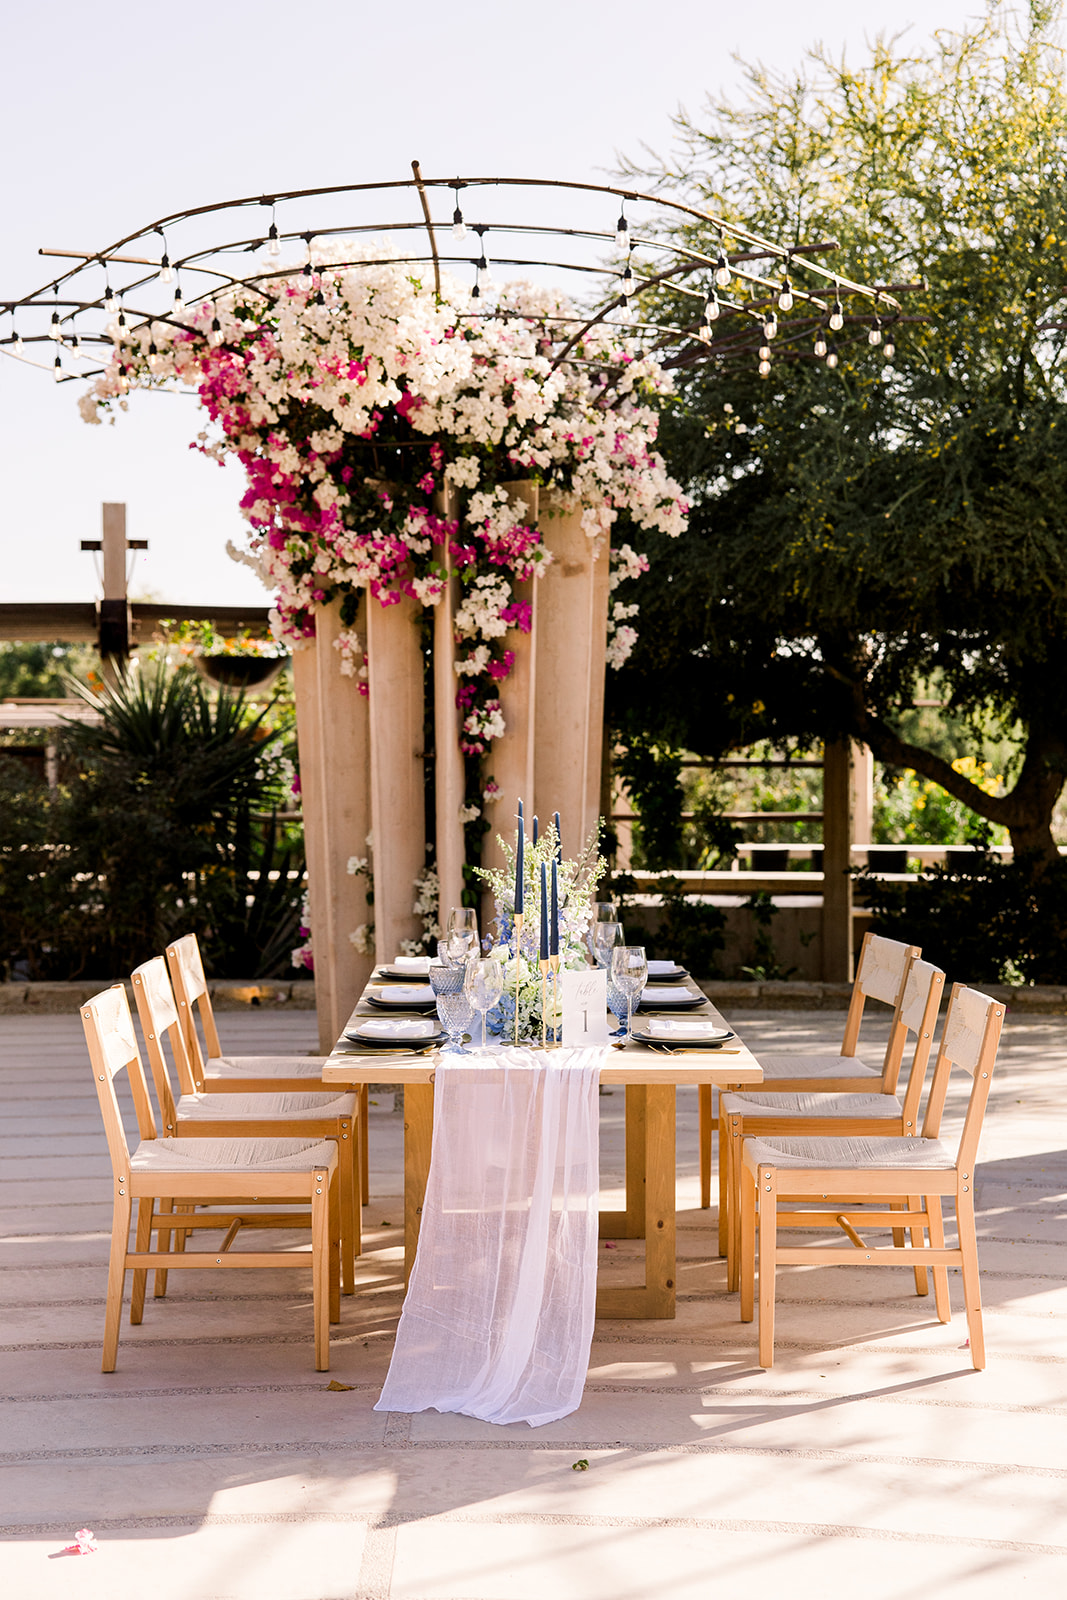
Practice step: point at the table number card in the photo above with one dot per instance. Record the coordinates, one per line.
(585, 1007)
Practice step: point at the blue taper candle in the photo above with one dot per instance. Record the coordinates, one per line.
(559, 840)
(544, 915)
(519, 899)
(535, 828)
(553, 923)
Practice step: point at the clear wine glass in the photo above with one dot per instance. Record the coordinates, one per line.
(453, 1006)
(485, 985)
(606, 936)
(629, 972)
(462, 935)
(600, 911)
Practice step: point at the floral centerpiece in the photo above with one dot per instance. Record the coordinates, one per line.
(577, 881)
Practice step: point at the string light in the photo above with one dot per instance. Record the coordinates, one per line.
(711, 308)
(629, 282)
(837, 313)
(820, 345)
(305, 279)
(20, 343)
(55, 331)
(770, 325)
(764, 369)
(831, 358)
(57, 370)
(153, 354)
(166, 271)
(889, 349)
(459, 227)
(109, 297)
(704, 331)
(874, 336)
(722, 269)
(622, 233)
(785, 295)
(765, 352)
(179, 303)
(215, 336)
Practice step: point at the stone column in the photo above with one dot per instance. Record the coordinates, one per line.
(570, 668)
(836, 859)
(334, 745)
(448, 758)
(394, 659)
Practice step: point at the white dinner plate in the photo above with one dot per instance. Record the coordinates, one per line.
(701, 1034)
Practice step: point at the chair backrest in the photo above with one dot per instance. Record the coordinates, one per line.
(919, 1005)
(190, 990)
(161, 1025)
(881, 974)
(112, 1046)
(970, 1039)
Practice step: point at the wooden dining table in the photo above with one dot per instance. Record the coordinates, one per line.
(650, 1077)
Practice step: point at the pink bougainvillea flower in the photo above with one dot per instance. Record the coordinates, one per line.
(84, 1543)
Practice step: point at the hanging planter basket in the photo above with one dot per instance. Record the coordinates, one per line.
(241, 672)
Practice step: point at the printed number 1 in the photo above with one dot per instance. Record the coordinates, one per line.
(585, 1028)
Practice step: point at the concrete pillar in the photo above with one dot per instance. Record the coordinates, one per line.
(333, 737)
(837, 840)
(448, 758)
(510, 762)
(398, 804)
(862, 793)
(570, 669)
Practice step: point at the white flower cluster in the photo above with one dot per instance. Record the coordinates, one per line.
(625, 563)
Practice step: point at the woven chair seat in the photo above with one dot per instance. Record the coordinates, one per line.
(811, 1104)
(860, 1153)
(231, 1155)
(256, 1107)
(817, 1066)
(266, 1066)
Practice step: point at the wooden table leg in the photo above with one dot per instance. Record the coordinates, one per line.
(656, 1297)
(630, 1224)
(418, 1134)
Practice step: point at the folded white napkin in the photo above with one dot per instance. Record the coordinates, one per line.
(682, 1028)
(656, 993)
(406, 994)
(398, 1028)
(417, 966)
(656, 969)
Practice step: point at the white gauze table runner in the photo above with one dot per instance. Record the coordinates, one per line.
(498, 1318)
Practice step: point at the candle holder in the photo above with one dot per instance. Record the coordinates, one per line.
(553, 962)
(518, 963)
(546, 966)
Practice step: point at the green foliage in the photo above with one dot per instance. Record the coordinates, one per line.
(156, 833)
(688, 930)
(765, 966)
(978, 916)
(651, 770)
(859, 533)
(41, 670)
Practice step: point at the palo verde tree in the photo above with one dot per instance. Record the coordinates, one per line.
(859, 532)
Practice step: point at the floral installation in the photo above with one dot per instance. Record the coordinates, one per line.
(427, 901)
(304, 954)
(576, 888)
(378, 424)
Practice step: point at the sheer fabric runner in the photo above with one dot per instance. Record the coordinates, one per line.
(498, 1318)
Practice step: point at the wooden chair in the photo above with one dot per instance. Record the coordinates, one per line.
(881, 974)
(242, 1176)
(764, 1116)
(222, 1074)
(856, 1182)
(266, 1114)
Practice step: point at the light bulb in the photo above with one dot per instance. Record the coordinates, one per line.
(770, 325)
(459, 227)
(153, 355)
(765, 352)
(629, 283)
(711, 308)
(889, 350)
(57, 370)
(319, 299)
(74, 345)
(55, 331)
(304, 280)
(215, 336)
(820, 346)
(831, 359)
(166, 271)
(622, 233)
(785, 296)
(179, 303)
(722, 270)
(704, 332)
(837, 319)
(273, 244)
(622, 307)
(109, 298)
(20, 343)
(875, 335)
(124, 378)
(764, 369)
(476, 292)
(121, 323)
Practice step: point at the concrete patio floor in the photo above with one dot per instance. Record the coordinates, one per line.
(216, 1464)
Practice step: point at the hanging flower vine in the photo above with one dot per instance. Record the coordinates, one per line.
(379, 424)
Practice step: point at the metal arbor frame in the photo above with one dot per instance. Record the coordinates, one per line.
(740, 289)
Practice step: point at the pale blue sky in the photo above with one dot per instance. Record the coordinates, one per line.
(115, 114)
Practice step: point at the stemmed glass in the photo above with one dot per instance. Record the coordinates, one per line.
(629, 972)
(462, 933)
(485, 985)
(600, 911)
(606, 936)
(453, 1006)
